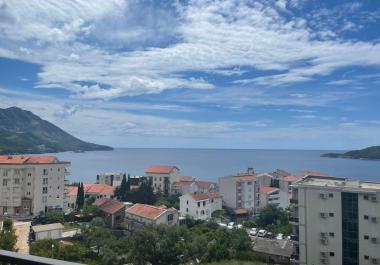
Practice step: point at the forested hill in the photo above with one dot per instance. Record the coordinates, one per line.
(23, 132)
(372, 153)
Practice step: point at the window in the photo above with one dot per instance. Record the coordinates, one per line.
(45, 172)
(44, 190)
(366, 257)
(331, 195)
(17, 171)
(366, 217)
(57, 196)
(5, 172)
(170, 217)
(44, 181)
(16, 181)
(187, 210)
(29, 184)
(331, 214)
(44, 199)
(29, 174)
(365, 197)
(249, 183)
(204, 203)
(199, 204)
(332, 254)
(5, 182)
(366, 237)
(187, 202)
(332, 234)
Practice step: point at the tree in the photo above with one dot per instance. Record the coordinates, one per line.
(48, 248)
(122, 189)
(75, 252)
(8, 236)
(80, 196)
(53, 217)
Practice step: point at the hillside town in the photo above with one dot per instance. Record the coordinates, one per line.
(276, 210)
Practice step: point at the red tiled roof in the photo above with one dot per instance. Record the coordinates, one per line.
(147, 211)
(267, 189)
(245, 178)
(109, 206)
(18, 160)
(290, 178)
(102, 189)
(204, 184)
(313, 173)
(204, 196)
(186, 178)
(160, 169)
(240, 211)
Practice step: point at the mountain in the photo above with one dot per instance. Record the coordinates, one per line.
(372, 153)
(23, 132)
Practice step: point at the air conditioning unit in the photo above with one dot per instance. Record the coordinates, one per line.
(323, 196)
(324, 255)
(375, 219)
(374, 240)
(323, 234)
(324, 260)
(324, 215)
(375, 260)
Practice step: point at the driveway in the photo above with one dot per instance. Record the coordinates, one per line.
(22, 233)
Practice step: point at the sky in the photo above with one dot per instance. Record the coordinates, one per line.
(270, 74)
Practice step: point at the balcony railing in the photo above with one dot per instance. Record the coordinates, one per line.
(13, 258)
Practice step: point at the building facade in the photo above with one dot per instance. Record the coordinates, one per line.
(113, 212)
(31, 184)
(162, 177)
(200, 205)
(273, 196)
(111, 179)
(337, 221)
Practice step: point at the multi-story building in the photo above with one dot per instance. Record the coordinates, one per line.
(189, 184)
(31, 184)
(239, 192)
(273, 196)
(162, 177)
(200, 205)
(337, 221)
(140, 215)
(111, 179)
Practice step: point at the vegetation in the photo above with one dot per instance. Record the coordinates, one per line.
(236, 262)
(274, 219)
(372, 153)
(168, 201)
(144, 194)
(8, 236)
(80, 196)
(23, 132)
(51, 218)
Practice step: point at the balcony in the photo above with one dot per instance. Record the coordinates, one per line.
(293, 219)
(14, 258)
(294, 201)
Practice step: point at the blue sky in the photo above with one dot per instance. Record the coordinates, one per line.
(291, 74)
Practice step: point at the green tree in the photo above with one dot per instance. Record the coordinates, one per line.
(8, 236)
(45, 248)
(80, 196)
(53, 217)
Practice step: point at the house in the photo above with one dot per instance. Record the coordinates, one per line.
(162, 177)
(49, 231)
(143, 214)
(274, 196)
(188, 184)
(200, 205)
(113, 212)
(111, 179)
(96, 191)
(31, 184)
(206, 186)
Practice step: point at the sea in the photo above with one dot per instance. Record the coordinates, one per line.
(210, 164)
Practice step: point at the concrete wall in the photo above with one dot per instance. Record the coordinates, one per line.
(227, 188)
(52, 234)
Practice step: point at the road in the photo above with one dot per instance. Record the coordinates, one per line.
(22, 233)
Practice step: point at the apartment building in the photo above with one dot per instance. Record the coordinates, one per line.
(273, 196)
(188, 184)
(111, 179)
(140, 215)
(162, 177)
(200, 205)
(337, 221)
(240, 192)
(31, 184)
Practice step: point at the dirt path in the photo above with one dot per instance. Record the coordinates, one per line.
(22, 233)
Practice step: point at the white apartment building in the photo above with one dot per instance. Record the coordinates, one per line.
(274, 196)
(162, 177)
(200, 205)
(241, 191)
(337, 221)
(31, 184)
(112, 179)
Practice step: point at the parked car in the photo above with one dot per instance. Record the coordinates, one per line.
(262, 233)
(253, 232)
(269, 235)
(239, 226)
(280, 236)
(230, 225)
(222, 224)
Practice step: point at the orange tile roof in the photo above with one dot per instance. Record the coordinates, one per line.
(102, 189)
(240, 211)
(245, 178)
(160, 169)
(109, 206)
(186, 178)
(290, 178)
(204, 184)
(148, 211)
(20, 159)
(204, 196)
(267, 189)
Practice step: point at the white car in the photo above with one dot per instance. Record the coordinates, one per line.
(222, 224)
(253, 232)
(262, 233)
(280, 236)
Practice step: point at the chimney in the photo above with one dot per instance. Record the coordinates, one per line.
(250, 171)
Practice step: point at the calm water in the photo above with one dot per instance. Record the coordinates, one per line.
(210, 164)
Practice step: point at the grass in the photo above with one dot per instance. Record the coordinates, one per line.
(236, 262)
